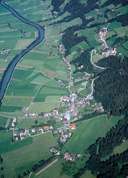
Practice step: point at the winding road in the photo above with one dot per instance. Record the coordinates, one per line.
(90, 95)
(7, 75)
(91, 60)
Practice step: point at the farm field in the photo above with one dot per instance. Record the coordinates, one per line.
(121, 148)
(38, 69)
(27, 155)
(88, 175)
(93, 128)
(55, 171)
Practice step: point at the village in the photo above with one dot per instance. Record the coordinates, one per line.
(106, 50)
(71, 104)
(71, 112)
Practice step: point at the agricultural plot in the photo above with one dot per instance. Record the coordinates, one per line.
(93, 128)
(24, 157)
(35, 77)
(3, 121)
(121, 148)
(88, 175)
(55, 171)
(6, 144)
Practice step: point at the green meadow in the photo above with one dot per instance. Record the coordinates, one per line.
(88, 131)
(35, 76)
(27, 154)
(55, 171)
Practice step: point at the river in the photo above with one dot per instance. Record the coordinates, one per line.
(7, 75)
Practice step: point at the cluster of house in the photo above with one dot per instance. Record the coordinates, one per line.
(66, 132)
(61, 83)
(12, 123)
(102, 36)
(54, 151)
(97, 107)
(71, 157)
(66, 61)
(70, 100)
(61, 49)
(5, 51)
(106, 50)
(20, 134)
(54, 113)
(66, 156)
(83, 102)
(64, 135)
(72, 126)
(109, 52)
(67, 99)
(27, 113)
(32, 115)
(81, 67)
(73, 108)
(64, 117)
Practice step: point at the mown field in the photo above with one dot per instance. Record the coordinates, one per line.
(35, 78)
(121, 148)
(6, 144)
(87, 174)
(88, 131)
(55, 171)
(22, 158)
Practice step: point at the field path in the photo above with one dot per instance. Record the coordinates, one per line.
(45, 168)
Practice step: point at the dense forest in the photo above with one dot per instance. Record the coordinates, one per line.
(111, 88)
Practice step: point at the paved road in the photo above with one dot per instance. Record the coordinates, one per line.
(90, 95)
(7, 75)
(91, 60)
